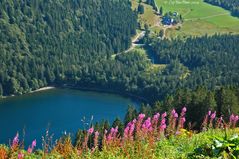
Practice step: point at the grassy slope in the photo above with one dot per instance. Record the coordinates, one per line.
(172, 148)
(149, 17)
(200, 17)
(175, 147)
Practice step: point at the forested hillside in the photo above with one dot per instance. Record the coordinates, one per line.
(72, 42)
(212, 60)
(48, 42)
(232, 5)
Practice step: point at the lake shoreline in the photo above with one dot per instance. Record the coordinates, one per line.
(125, 94)
(101, 90)
(34, 91)
(43, 89)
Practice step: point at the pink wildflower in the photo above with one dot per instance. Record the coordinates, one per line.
(15, 140)
(175, 115)
(235, 121)
(183, 120)
(173, 111)
(141, 116)
(126, 132)
(163, 121)
(163, 127)
(219, 122)
(236, 118)
(90, 131)
(209, 112)
(155, 121)
(147, 126)
(231, 118)
(20, 155)
(164, 115)
(29, 150)
(184, 109)
(97, 133)
(131, 130)
(213, 115)
(163, 124)
(96, 139)
(156, 116)
(34, 143)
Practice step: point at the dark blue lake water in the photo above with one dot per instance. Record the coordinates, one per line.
(59, 110)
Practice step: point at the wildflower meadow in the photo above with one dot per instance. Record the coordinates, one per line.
(164, 135)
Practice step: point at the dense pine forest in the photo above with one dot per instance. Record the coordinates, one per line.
(232, 5)
(53, 42)
(211, 60)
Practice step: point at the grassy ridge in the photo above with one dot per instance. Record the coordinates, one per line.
(200, 18)
(149, 17)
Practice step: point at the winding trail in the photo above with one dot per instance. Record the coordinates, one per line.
(134, 42)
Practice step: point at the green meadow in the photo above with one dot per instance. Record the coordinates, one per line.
(200, 18)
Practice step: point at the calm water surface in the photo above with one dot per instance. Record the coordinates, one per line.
(59, 110)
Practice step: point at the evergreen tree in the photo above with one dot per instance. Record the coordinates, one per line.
(161, 10)
(227, 102)
(1, 91)
(130, 115)
(140, 9)
(120, 124)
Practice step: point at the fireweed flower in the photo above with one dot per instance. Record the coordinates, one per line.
(129, 130)
(213, 115)
(173, 111)
(209, 112)
(162, 127)
(90, 131)
(96, 140)
(183, 112)
(15, 140)
(29, 150)
(235, 120)
(147, 126)
(175, 115)
(156, 116)
(184, 109)
(219, 122)
(172, 120)
(97, 133)
(231, 118)
(33, 145)
(163, 123)
(183, 120)
(164, 115)
(110, 135)
(20, 155)
(155, 121)
(205, 121)
(126, 132)
(141, 116)
(116, 131)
